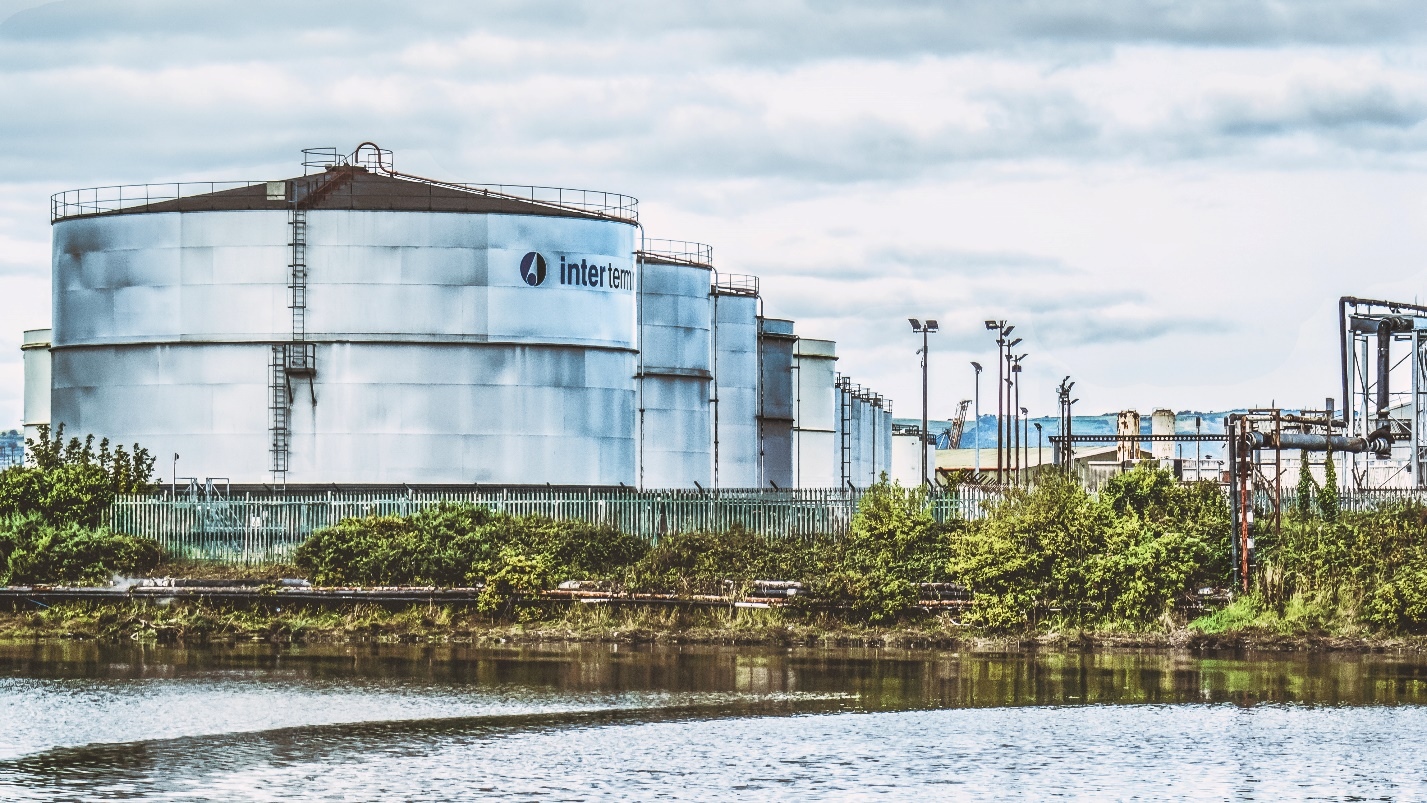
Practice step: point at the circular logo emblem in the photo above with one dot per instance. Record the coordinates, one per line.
(532, 269)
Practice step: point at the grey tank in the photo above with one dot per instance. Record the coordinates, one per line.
(436, 361)
(775, 402)
(735, 392)
(675, 370)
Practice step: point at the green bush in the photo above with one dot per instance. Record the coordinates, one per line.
(701, 562)
(892, 545)
(34, 551)
(72, 483)
(1372, 563)
(1057, 552)
(464, 545)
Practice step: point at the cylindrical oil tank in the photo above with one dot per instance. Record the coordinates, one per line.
(675, 371)
(458, 334)
(815, 414)
(735, 378)
(1162, 423)
(775, 402)
(884, 441)
(35, 352)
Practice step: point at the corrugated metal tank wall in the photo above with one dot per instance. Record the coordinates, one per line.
(735, 391)
(675, 418)
(775, 414)
(815, 414)
(436, 362)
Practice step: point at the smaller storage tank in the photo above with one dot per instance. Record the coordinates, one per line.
(35, 351)
(735, 381)
(1162, 423)
(675, 428)
(775, 401)
(815, 414)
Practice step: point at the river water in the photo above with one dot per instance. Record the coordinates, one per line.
(255, 722)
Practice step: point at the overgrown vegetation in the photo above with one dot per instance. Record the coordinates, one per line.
(1058, 556)
(464, 545)
(72, 483)
(1052, 554)
(1346, 572)
(52, 506)
(1050, 559)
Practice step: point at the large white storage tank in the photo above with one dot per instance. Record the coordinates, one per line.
(675, 371)
(352, 326)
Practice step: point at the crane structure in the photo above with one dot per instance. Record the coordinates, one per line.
(958, 425)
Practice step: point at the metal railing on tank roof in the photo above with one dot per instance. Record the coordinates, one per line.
(124, 197)
(689, 253)
(611, 205)
(121, 197)
(736, 284)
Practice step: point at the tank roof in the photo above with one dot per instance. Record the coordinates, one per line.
(346, 187)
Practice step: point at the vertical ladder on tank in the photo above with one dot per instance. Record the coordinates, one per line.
(844, 405)
(279, 408)
(297, 221)
(297, 357)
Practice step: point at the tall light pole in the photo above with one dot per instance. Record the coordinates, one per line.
(1040, 446)
(1004, 344)
(1198, 448)
(1025, 444)
(1014, 401)
(924, 329)
(977, 397)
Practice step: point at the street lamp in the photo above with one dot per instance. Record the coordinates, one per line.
(924, 329)
(1040, 446)
(977, 397)
(1004, 344)
(1014, 400)
(1025, 445)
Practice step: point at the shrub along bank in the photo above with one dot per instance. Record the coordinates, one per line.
(1053, 556)
(1051, 559)
(51, 508)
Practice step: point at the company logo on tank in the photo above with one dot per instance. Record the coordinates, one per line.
(584, 273)
(532, 269)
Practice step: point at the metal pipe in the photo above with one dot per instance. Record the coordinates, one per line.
(1384, 366)
(1230, 425)
(1343, 350)
(1316, 443)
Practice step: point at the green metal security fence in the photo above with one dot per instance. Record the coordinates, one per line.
(265, 529)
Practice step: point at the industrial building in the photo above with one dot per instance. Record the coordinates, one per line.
(357, 325)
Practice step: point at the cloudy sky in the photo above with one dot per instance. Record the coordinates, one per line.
(1166, 197)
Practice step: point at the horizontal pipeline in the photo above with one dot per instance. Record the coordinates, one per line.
(1317, 443)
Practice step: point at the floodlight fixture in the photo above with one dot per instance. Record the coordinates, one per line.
(977, 366)
(1014, 343)
(931, 325)
(992, 325)
(916, 324)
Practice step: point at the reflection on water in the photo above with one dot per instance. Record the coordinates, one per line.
(90, 721)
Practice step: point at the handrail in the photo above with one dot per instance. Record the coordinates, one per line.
(118, 198)
(678, 250)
